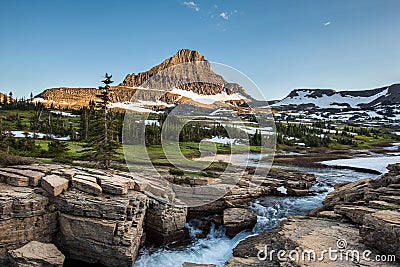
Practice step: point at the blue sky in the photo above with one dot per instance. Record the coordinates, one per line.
(281, 44)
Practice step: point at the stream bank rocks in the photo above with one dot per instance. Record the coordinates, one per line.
(373, 205)
(238, 219)
(293, 183)
(358, 216)
(306, 236)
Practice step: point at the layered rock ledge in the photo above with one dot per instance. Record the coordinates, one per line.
(90, 215)
(362, 216)
(104, 217)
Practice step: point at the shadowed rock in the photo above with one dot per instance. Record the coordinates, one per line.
(36, 254)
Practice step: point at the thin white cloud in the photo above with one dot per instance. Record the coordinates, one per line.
(327, 23)
(192, 5)
(224, 15)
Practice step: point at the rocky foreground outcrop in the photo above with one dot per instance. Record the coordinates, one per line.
(90, 215)
(359, 216)
(103, 217)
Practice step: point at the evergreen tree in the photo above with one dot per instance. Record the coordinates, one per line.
(57, 148)
(104, 140)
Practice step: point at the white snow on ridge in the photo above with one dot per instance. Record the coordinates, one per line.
(140, 106)
(207, 99)
(371, 163)
(327, 101)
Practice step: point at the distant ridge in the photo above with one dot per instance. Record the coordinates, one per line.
(328, 98)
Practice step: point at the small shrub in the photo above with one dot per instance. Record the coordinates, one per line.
(62, 160)
(181, 180)
(10, 160)
(57, 148)
(176, 172)
(210, 174)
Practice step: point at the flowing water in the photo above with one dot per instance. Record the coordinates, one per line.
(216, 247)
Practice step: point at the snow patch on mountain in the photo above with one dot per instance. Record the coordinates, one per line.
(207, 99)
(328, 101)
(140, 106)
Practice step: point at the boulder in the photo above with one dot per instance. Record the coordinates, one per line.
(14, 179)
(86, 184)
(238, 219)
(115, 184)
(347, 194)
(54, 184)
(329, 215)
(382, 230)
(33, 175)
(36, 254)
(165, 223)
(355, 214)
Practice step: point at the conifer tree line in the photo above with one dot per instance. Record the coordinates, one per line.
(313, 136)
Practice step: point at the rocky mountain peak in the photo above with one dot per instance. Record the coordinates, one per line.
(185, 55)
(165, 82)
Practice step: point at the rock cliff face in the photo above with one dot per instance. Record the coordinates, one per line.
(80, 97)
(92, 216)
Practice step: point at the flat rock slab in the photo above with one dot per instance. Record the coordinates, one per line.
(115, 184)
(34, 176)
(355, 213)
(382, 230)
(34, 167)
(238, 219)
(54, 184)
(14, 179)
(86, 184)
(36, 254)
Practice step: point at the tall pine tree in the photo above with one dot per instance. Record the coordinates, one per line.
(103, 143)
